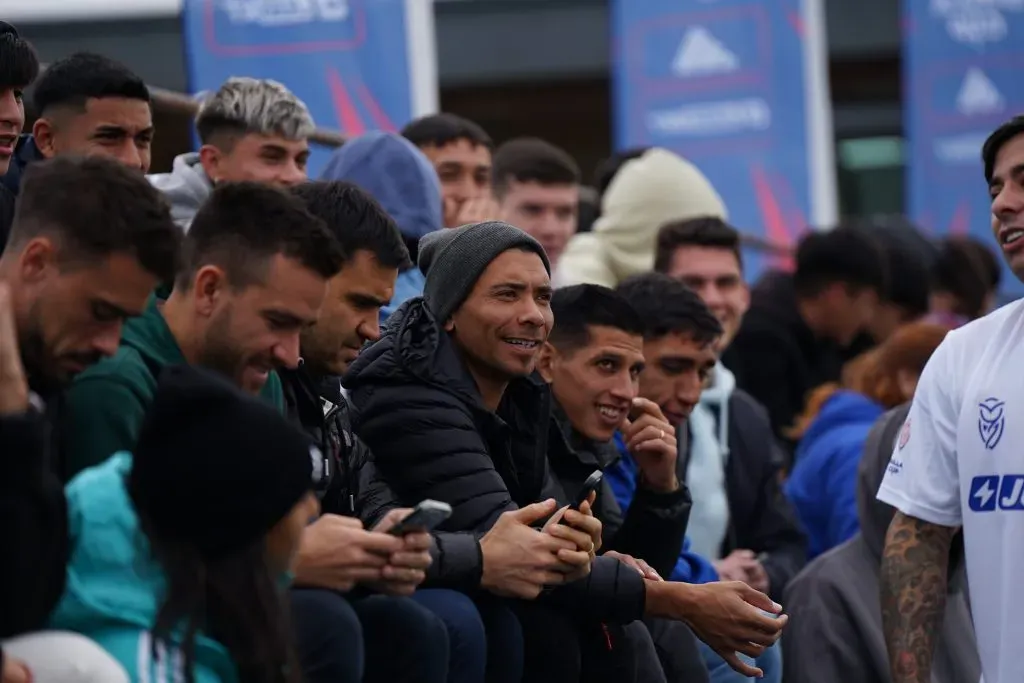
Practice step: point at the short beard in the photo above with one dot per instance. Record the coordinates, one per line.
(217, 353)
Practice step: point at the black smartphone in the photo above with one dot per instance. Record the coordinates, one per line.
(589, 486)
(426, 516)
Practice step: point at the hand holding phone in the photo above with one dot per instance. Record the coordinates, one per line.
(425, 517)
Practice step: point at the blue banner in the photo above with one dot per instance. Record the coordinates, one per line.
(722, 83)
(348, 60)
(963, 76)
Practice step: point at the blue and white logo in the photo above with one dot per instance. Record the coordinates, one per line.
(991, 491)
(991, 421)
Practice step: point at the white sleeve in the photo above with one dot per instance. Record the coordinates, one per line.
(922, 479)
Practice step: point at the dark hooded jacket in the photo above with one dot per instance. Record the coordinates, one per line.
(776, 357)
(419, 410)
(347, 480)
(400, 177)
(655, 524)
(33, 519)
(835, 627)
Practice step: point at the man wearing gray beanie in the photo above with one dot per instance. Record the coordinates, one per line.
(453, 260)
(449, 405)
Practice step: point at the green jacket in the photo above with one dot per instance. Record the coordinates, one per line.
(106, 403)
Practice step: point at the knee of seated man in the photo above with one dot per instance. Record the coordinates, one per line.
(403, 621)
(458, 612)
(65, 657)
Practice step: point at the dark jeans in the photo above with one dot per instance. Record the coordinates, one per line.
(551, 643)
(484, 635)
(467, 640)
(367, 639)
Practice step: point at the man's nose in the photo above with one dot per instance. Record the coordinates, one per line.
(131, 156)
(293, 175)
(10, 112)
(1009, 202)
(286, 351)
(109, 340)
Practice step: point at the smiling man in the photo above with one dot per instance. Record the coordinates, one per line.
(19, 66)
(249, 130)
(87, 105)
(952, 470)
(593, 360)
(254, 277)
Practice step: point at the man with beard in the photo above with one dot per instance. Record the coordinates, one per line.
(89, 242)
(255, 275)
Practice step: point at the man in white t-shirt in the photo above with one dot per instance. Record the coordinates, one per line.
(959, 463)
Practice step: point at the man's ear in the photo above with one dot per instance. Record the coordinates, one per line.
(210, 158)
(43, 135)
(208, 287)
(546, 362)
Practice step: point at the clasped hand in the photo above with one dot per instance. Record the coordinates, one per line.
(337, 553)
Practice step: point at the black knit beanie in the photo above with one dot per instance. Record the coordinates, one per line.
(214, 466)
(454, 259)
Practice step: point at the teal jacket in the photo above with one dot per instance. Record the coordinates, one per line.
(106, 404)
(114, 589)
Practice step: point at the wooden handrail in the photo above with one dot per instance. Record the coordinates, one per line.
(179, 103)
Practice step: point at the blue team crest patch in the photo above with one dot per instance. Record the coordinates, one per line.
(991, 421)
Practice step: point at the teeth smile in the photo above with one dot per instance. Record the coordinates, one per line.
(524, 343)
(610, 412)
(1012, 236)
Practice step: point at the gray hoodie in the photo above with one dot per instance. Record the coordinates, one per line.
(835, 629)
(186, 187)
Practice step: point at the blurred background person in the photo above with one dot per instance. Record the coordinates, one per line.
(834, 426)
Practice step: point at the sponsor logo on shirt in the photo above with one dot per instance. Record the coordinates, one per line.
(990, 492)
(991, 421)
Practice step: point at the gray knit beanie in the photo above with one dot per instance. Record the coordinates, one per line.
(454, 259)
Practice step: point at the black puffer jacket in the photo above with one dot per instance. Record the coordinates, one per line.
(33, 521)
(348, 481)
(652, 529)
(419, 410)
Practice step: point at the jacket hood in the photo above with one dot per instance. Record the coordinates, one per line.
(149, 335)
(108, 576)
(414, 347)
(649, 191)
(875, 515)
(841, 409)
(397, 174)
(186, 187)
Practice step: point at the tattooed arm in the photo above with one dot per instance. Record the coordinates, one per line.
(914, 582)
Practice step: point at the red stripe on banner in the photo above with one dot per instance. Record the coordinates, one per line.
(380, 119)
(348, 118)
(961, 222)
(798, 23)
(771, 213)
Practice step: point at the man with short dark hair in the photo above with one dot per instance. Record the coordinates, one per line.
(374, 252)
(742, 521)
(460, 151)
(954, 469)
(593, 360)
(704, 254)
(681, 337)
(791, 338)
(254, 276)
(537, 186)
(90, 241)
(249, 130)
(90, 105)
(19, 67)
